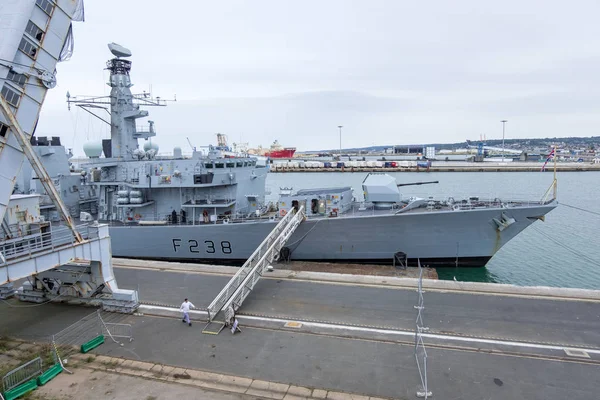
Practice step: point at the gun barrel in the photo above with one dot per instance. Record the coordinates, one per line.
(416, 183)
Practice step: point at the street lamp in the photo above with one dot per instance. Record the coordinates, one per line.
(340, 127)
(503, 125)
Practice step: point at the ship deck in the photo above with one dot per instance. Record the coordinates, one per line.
(356, 334)
(361, 210)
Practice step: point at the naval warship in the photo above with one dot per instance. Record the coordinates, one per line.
(211, 206)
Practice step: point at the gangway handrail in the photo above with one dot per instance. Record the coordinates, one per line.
(243, 290)
(234, 283)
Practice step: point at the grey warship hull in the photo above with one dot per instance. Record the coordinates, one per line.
(438, 238)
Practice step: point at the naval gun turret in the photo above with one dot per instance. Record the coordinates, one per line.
(382, 190)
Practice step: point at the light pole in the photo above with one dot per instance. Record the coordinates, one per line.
(340, 127)
(503, 125)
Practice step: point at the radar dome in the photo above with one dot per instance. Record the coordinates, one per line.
(149, 145)
(177, 152)
(93, 149)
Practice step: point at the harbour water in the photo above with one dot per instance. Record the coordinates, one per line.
(563, 251)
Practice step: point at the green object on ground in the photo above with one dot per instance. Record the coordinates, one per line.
(92, 344)
(49, 375)
(20, 390)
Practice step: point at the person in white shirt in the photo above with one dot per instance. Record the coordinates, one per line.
(185, 308)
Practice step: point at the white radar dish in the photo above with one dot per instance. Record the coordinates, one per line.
(119, 50)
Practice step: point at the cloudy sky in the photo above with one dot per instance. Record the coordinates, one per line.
(390, 72)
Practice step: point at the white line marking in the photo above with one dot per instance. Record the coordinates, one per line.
(437, 286)
(391, 332)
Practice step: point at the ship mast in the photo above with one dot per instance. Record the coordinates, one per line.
(124, 107)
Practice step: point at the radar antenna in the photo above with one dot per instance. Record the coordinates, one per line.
(118, 50)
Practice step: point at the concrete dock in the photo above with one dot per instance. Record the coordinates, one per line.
(355, 334)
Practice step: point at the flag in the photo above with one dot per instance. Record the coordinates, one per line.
(550, 156)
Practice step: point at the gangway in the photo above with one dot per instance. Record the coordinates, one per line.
(222, 309)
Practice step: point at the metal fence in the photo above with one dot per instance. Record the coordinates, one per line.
(66, 343)
(122, 331)
(69, 340)
(420, 351)
(27, 371)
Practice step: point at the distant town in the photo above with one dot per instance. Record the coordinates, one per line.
(568, 149)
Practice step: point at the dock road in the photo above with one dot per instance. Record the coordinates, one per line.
(357, 336)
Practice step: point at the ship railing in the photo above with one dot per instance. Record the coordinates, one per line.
(492, 203)
(456, 204)
(53, 239)
(221, 219)
(217, 304)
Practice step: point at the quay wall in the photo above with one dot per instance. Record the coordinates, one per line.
(450, 168)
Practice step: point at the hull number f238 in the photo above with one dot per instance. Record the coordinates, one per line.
(208, 246)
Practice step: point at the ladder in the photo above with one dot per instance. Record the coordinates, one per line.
(229, 300)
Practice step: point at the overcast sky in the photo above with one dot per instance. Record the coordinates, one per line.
(390, 72)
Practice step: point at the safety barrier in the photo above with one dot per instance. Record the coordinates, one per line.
(68, 341)
(21, 390)
(92, 344)
(23, 373)
(49, 375)
(114, 330)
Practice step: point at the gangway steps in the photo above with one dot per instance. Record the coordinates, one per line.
(213, 327)
(223, 307)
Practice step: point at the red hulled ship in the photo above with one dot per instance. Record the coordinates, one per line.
(277, 151)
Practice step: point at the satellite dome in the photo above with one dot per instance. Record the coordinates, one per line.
(149, 145)
(177, 152)
(93, 149)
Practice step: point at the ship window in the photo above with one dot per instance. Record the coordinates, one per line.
(11, 96)
(203, 178)
(208, 165)
(219, 165)
(239, 164)
(245, 163)
(45, 5)
(28, 48)
(34, 31)
(230, 165)
(3, 130)
(19, 79)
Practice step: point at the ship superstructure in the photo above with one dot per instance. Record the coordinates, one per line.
(135, 185)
